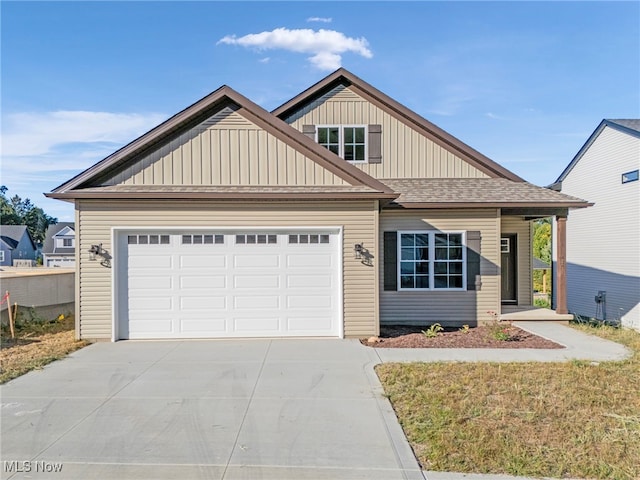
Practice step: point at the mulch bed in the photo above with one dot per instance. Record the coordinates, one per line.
(397, 336)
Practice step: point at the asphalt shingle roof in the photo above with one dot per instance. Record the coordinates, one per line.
(11, 234)
(632, 123)
(481, 191)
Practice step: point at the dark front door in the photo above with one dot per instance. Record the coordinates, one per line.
(508, 250)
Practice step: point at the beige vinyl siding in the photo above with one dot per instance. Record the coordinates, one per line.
(226, 149)
(446, 308)
(524, 231)
(96, 218)
(405, 152)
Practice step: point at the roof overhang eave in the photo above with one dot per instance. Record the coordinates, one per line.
(501, 205)
(77, 195)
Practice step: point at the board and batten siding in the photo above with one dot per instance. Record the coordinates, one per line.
(524, 231)
(603, 252)
(449, 308)
(226, 149)
(96, 219)
(405, 152)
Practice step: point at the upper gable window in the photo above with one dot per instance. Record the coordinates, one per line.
(346, 141)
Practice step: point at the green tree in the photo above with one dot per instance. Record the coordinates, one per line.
(16, 211)
(541, 250)
(542, 240)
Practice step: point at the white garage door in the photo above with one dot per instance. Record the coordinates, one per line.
(240, 284)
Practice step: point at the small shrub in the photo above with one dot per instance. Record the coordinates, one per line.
(465, 329)
(433, 330)
(541, 303)
(500, 331)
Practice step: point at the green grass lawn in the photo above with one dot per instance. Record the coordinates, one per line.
(573, 419)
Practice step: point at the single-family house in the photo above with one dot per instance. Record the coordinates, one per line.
(16, 243)
(338, 211)
(603, 242)
(59, 249)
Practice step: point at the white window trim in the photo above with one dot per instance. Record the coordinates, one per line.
(341, 139)
(432, 256)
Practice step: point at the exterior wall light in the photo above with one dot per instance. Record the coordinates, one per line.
(358, 248)
(98, 251)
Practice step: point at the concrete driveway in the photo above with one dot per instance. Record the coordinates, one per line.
(220, 409)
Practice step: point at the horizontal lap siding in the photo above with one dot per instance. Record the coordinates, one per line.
(406, 153)
(523, 230)
(446, 308)
(358, 220)
(603, 241)
(225, 150)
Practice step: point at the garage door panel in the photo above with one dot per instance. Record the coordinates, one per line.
(202, 281)
(150, 303)
(150, 262)
(226, 288)
(256, 261)
(309, 301)
(256, 302)
(257, 324)
(309, 324)
(309, 260)
(203, 261)
(153, 326)
(203, 302)
(256, 281)
(309, 281)
(149, 282)
(203, 326)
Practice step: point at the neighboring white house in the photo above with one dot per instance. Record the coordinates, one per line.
(59, 248)
(603, 242)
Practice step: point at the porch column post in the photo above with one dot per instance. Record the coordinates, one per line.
(561, 265)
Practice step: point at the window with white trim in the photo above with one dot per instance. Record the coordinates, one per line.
(430, 260)
(67, 242)
(346, 141)
(1, 256)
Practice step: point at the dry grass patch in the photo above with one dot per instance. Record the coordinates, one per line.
(36, 344)
(573, 419)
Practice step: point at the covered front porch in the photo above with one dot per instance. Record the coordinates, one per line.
(513, 313)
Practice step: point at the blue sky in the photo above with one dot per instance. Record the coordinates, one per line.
(525, 83)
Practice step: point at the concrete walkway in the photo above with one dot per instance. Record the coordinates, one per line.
(578, 346)
(230, 409)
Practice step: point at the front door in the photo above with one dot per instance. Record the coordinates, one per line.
(508, 252)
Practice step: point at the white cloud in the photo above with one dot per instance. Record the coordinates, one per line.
(320, 19)
(31, 134)
(326, 46)
(265, 60)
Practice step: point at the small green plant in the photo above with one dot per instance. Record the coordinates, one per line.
(500, 331)
(433, 330)
(541, 303)
(465, 329)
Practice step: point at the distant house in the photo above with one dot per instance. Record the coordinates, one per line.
(15, 244)
(603, 242)
(59, 248)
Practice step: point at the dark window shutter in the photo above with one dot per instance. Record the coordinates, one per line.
(309, 131)
(375, 143)
(473, 260)
(390, 260)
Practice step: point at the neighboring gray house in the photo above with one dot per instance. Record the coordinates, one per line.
(59, 248)
(15, 244)
(603, 242)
